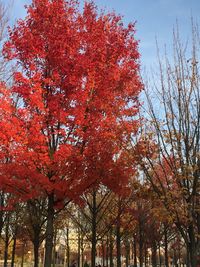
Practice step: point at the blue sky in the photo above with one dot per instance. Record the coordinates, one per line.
(155, 19)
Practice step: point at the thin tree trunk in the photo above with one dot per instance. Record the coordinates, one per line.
(118, 243)
(36, 246)
(14, 248)
(111, 249)
(103, 252)
(79, 248)
(107, 250)
(82, 251)
(135, 251)
(140, 245)
(6, 242)
(192, 246)
(1, 212)
(1, 221)
(94, 229)
(68, 249)
(49, 232)
(153, 256)
(166, 246)
(193, 255)
(54, 258)
(127, 252)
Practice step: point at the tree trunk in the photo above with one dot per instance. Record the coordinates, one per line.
(107, 250)
(103, 252)
(1, 212)
(68, 249)
(6, 242)
(66, 258)
(153, 256)
(127, 252)
(54, 258)
(140, 244)
(79, 248)
(36, 245)
(166, 247)
(111, 249)
(192, 255)
(1, 221)
(49, 232)
(14, 248)
(135, 251)
(192, 247)
(94, 229)
(82, 250)
(118, 243)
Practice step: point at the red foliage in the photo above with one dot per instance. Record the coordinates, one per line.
(78, 81)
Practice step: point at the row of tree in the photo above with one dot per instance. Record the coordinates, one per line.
(136, 227)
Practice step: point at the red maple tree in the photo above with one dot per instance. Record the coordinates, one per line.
(78, 83)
